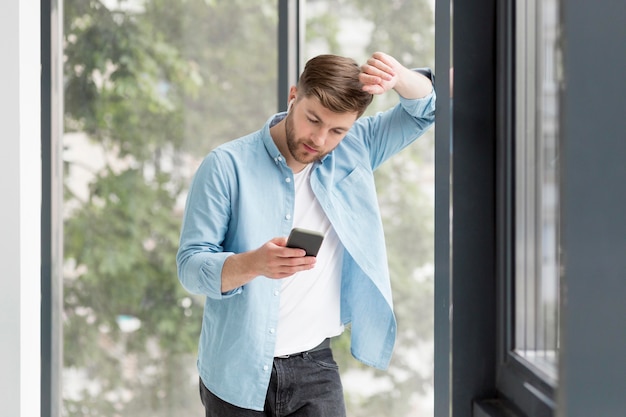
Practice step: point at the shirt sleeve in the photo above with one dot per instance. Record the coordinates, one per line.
(387, 133)
(200, 256)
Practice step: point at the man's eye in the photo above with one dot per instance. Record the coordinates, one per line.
(313, 121)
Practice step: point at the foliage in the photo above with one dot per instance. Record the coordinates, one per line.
(407, 212)
(139, 84)
(404, 29)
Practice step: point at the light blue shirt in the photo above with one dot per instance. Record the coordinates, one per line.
(242, 196)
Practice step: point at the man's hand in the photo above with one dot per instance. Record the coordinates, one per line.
(272, 260)
(383, 72)
(275, 260)
(379, 75)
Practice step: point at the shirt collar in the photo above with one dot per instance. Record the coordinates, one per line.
(268, 141)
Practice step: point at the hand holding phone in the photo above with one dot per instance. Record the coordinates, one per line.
(309, 240)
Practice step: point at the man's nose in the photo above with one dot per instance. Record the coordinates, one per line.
(319, 137)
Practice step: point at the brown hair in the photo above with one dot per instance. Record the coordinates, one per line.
(334, 80)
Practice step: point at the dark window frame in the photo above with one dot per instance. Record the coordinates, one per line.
(51, 344)
(476, 274)
(591, 366)
(522, 388)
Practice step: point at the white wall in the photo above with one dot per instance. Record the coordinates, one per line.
(20, 197)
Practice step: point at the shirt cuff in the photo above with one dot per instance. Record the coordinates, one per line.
(211, 276)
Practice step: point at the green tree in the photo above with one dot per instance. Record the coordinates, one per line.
(404, 29)
(140, 83)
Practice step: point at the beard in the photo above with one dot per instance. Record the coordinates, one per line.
(294, 145)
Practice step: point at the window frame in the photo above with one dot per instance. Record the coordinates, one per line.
(51, 342)
(524, 386)
(592, 230)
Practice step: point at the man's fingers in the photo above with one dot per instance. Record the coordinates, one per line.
(383, 71)
(289, 266)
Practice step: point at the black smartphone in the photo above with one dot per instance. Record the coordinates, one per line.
(309, 240)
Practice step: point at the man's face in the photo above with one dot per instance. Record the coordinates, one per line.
(313, 131)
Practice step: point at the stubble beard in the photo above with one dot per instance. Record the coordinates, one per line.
(293, 144)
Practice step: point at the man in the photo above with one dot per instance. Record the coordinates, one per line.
(270, 310)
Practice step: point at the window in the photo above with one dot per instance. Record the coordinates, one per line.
(151, 87)
(406, 196)
(537, 253)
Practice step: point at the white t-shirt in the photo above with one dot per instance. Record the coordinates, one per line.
(310, 300)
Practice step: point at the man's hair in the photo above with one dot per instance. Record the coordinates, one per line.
(334, 80)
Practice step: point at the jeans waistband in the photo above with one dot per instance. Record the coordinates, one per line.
(324, 345)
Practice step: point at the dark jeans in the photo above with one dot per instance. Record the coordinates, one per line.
(302, 385)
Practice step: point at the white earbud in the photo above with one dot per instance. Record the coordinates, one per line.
(290, 104)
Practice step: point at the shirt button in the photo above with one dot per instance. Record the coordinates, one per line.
(276, 292)
(288, 216)
(280, 158)
(272, 331)
(265, 368)
(287, 179)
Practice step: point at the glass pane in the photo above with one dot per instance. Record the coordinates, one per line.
(151, 86)
(357, 28)
(537, 186)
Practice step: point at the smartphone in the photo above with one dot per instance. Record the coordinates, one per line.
(309, 240)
